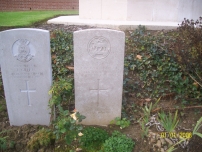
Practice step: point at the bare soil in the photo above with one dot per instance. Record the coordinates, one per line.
(188, 117)
(21, 135)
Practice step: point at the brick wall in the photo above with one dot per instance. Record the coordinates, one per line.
(23, 5)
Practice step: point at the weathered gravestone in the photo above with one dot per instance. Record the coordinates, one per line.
(98, 70)
(27, 76)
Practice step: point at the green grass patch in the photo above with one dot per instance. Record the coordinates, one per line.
(28, 18)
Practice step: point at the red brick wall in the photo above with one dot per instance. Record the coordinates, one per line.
(22, 5)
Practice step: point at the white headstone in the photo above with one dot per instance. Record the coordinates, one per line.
(27, 76)
(98, 73)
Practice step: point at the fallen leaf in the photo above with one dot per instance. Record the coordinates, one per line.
(196, 84)
(70, 68)
(148, 100)
(73, 116)
(53, 56)
(139, 57)
(141, 102)
(80, 134)
(131, 94)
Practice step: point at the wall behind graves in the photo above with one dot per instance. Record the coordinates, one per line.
(24, 5)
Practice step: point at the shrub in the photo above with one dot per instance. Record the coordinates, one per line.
(188, 49)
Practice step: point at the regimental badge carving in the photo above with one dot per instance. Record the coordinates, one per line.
(99, 47)
(23, 50)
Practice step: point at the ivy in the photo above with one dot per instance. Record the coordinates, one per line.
(151, 69)
(62, 53)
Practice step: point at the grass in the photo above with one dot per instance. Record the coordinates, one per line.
(28, 18)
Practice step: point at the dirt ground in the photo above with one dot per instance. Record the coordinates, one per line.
(21, 135)
(188, 118)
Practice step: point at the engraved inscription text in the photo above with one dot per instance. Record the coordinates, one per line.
(99, 47)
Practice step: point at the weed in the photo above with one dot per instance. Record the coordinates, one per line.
(145, 129)
(123, 123)
(118, 143)
(4, 142)
(147, 112)
(173, 147)
(196, 128)
(61, 92)
(148, 109)
(42, 138)
(66, 125)
(93, 138)
(168, 121)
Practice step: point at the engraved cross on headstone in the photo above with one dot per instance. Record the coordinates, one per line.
(98, 91)
(28, 91)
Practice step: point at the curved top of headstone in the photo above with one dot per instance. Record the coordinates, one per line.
(24, 29)
(98, 30)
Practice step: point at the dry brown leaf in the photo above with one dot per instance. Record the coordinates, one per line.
(141, 102)
(70, 68)
(139, 57)
(196, 84)
(53, 56)
(148, 100)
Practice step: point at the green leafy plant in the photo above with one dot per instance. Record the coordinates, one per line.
(157, 72)
(145, 119)
(41, 138)
(4, 142)
(62, 53)
(145, 129)
(66, 125)
(188, 49)
(148, 109)
(93, 138)
(61, 92)
(168, 121)
(197, 127)
(123, 123)
(118, 143)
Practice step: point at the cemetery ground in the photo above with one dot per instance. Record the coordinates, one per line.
(143, 98)
(28, 18)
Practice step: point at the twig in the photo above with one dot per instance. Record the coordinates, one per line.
(195, 80)
(158, 109)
